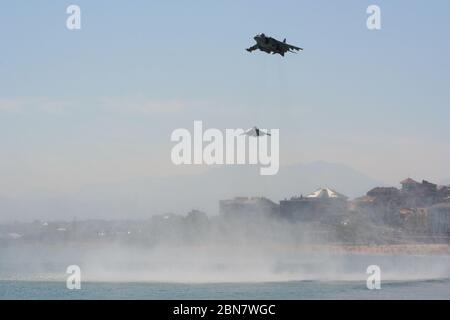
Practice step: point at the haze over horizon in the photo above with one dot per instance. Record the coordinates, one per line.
(142, 197)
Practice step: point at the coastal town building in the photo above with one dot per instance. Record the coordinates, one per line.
(419, 194)
(380, 204)
(248, 206)
(439, 219)
(410, 185)
(418, 207)
(324, 205)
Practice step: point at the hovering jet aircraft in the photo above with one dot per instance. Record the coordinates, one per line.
(255, 132)
(271, 45)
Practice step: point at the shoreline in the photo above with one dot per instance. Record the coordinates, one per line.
(330, 248)
(389, 249)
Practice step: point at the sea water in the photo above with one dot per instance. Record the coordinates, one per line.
(426, 289)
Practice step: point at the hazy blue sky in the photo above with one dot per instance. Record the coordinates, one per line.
(99, 104)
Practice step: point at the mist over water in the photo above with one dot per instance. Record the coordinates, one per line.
(218, 251)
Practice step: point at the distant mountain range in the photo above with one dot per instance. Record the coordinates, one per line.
(142, 197)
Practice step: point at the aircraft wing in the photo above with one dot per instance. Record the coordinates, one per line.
(252, 48)
(250, 132)
(290, 47)
(255, 132)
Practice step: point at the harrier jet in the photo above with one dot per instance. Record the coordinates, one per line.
(255, 132)
(271, 45)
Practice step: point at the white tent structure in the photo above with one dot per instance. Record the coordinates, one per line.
(326, 193)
